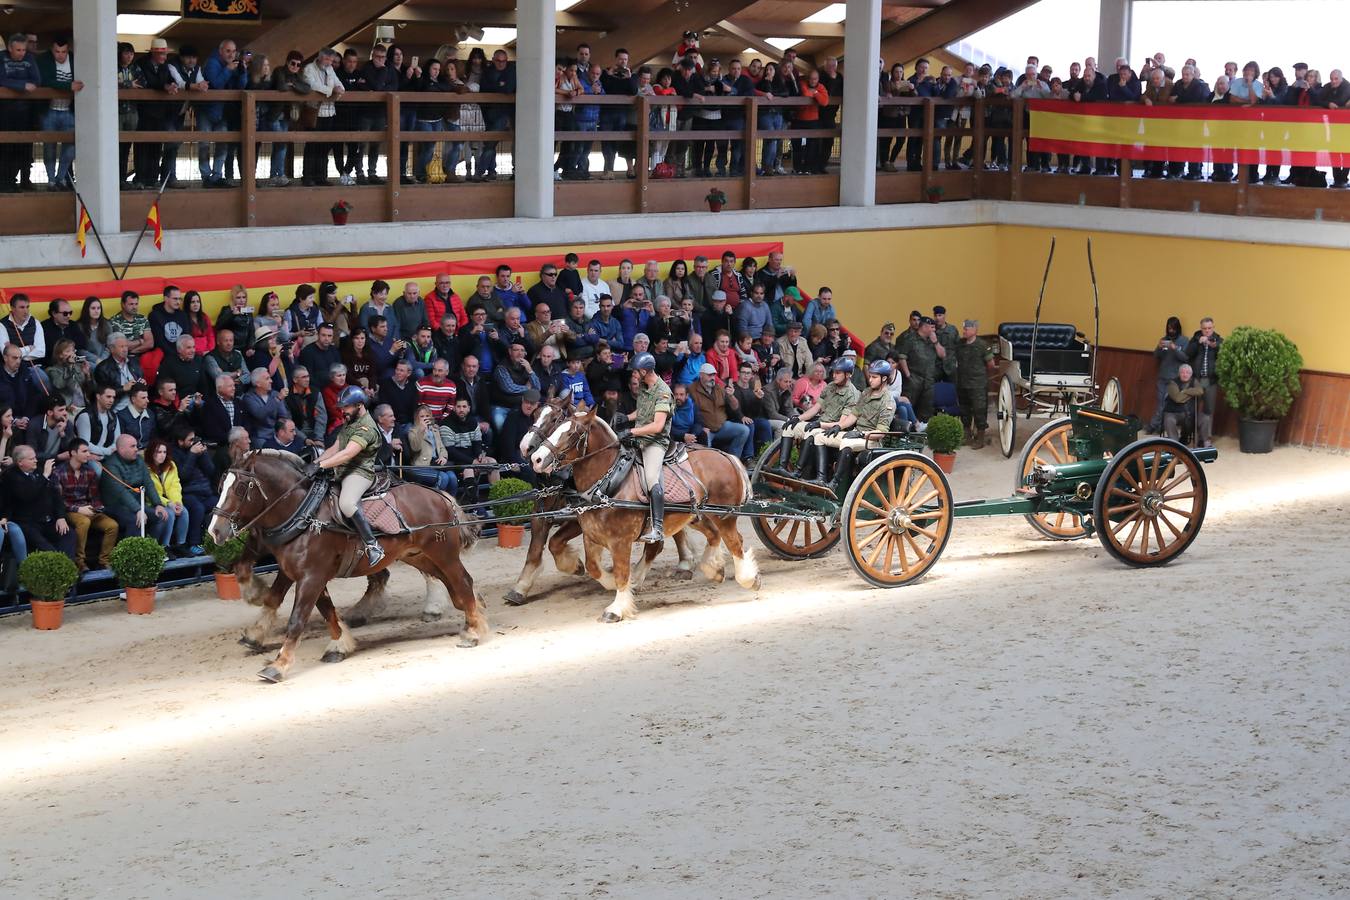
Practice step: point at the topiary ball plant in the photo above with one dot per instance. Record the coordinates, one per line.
(502, 492)
(944, 433)
(227, 554)
(1258, 370)
(48, 575)
(137, 562)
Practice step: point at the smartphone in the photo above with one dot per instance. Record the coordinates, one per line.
(413, 64)
(349, 298)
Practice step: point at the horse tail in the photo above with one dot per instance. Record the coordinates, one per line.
(470, 529)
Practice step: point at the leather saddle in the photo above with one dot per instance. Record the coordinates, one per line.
(377, 504)
(678, 481)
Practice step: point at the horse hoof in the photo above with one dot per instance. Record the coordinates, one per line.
(333, 656)
(468, 641)
(609, 617)
(271, 674)
(515, 598)
(358, 622)
(755, 586)
(684, 575)
(431, 617)
(251, 644)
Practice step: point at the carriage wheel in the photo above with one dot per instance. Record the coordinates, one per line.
(789, 538)
(898, 517)
(1111, 397)
(1049, 446)
(1150, 502)
(1007, 416)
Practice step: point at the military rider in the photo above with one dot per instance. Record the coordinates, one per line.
(352, 456)
(921, 358)
(835, 397)
(864, 419)
(651, 433)
(974, 363)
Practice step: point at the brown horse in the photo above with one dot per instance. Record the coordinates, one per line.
(264, 491)
(542, 528)
(591, 448)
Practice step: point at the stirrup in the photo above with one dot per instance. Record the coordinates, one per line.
(374, 553)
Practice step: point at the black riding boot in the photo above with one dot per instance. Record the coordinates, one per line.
(805, 458)
(785, 453)
(822, 463)
(374, 552)
(845, 471)
(657, 502)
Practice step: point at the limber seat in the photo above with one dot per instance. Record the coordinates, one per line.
(1059, 350)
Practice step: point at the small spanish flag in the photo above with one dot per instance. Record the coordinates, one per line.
(82, 228)
(152, 221)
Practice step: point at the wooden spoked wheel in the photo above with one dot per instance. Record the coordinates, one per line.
(1006, 412)
(1050, 446)
(897, 518)
(789, 538)
(1111, 397)
(1150, 502)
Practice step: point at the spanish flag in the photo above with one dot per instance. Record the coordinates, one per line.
(152, 221)
(82, 228)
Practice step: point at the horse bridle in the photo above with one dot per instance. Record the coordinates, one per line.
(251, 479)
(579, 441)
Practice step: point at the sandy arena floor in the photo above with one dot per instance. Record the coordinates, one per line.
(1031, 720)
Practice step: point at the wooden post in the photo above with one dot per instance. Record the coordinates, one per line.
(248, 159)
(1125, 176)
(748, 157)
(926, 179)
(1242, 182)
(640, 150)
(392, 183)
(977, 149)
(1016, 155)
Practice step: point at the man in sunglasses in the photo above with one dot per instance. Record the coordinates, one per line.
(60, 326)
(547, 291)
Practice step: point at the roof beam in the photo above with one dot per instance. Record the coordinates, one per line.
(649, 35)
(315, 24)
(947, 23)
(785, 29)
(751, 40)
(496, 18)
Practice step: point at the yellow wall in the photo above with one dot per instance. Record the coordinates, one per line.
(987, 272)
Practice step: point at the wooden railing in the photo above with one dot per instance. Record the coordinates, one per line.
(253, 202)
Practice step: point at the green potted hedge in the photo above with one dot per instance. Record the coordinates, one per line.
(1258, 371)
(137, 562)
(510, 534)
(48, 576)
(225, 556)
(944, 434)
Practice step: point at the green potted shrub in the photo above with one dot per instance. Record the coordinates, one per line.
(48, 576)
(137, 562)
(935, 192)
(510, 534)
(944, 435)
(716, 199)
(1258, 371)
(225, 556)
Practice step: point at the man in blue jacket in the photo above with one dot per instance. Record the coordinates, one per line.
(223, 72)
(18, 73)
(604, 327)
(499, 78)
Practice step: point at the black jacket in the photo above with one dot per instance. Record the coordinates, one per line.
(31, 499)
(402, 400)
(214, 420)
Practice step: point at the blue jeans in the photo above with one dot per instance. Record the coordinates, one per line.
(425, 151)
(904, 413)
(58, 120)
(278, 167)
(497, 119)
(732, 437)
(763, 434)
(451, 151)
(770, 120)
(440, 479)
(581, 150)
(178, 526)
(211, 163)
(499, 414)
(18, 544)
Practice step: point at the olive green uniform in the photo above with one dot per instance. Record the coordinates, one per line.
(833, 401)
(921, 357)
(948, 337)
(873, 410)
(652, 399)
(972, 383)
(358, 473)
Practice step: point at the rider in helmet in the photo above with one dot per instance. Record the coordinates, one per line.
(353, 456)
(870, 413)
(835, 397)
(651, 432)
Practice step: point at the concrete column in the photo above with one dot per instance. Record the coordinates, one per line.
(1113, 34)
(858, 141)
(536, 42)
(97, 170)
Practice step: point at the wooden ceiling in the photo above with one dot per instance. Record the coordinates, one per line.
(649, 28)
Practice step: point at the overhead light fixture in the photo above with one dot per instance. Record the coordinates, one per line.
(143, 23)
(490, 37)
(830, 15)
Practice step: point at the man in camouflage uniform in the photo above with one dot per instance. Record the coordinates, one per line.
(948, 337)
(921, 359)
(651, 433)
(835, 397)
(353, 454)
(974, 360)
(871, 412)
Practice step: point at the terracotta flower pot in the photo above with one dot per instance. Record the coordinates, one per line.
(510, 537)
(227, 586)
(946, 461)
(47, 614)
(140, 601)
(714, 206)
(340, 218)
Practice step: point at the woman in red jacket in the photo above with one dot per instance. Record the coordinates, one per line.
(809, 155)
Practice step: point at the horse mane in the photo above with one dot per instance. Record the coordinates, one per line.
(285, 456)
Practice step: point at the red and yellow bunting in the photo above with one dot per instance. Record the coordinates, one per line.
(156, 229)
(1267, 135)
(82, 228)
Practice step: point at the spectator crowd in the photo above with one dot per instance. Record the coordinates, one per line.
(114, 419)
